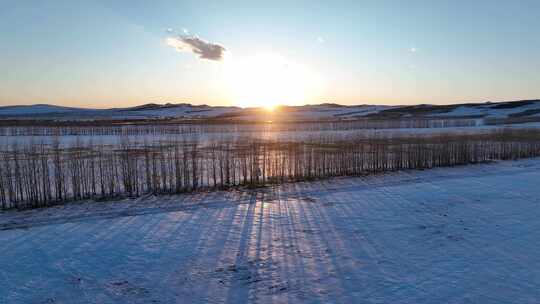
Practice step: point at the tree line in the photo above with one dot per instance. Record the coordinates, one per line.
(38, 175)
(131, 128)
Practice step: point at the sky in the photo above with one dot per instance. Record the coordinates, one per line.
(250, 53)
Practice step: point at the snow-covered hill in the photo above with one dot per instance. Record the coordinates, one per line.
(525, 108)
(37, 109)
(508, 109)
(188, 111)
(146, 111)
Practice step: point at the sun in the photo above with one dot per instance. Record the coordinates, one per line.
(271, 107)
(268, 80)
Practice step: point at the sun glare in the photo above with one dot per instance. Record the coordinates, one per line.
(268, 80)
(270, 107)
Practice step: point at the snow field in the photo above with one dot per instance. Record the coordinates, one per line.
(449, 235)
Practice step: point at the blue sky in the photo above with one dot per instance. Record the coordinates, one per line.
(112, 53)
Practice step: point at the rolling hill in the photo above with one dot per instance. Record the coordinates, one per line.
(326, 111)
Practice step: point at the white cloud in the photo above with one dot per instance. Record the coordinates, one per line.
(196, 45)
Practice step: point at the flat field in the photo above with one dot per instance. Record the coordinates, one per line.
(466, 234)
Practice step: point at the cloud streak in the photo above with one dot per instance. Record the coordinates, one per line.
(193, 44)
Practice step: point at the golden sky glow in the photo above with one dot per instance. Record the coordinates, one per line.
(269, 79)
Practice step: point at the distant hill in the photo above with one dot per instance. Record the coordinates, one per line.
(146, 111)
(36, 109)
(507, 109)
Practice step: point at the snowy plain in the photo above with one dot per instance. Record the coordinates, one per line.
(449, 235)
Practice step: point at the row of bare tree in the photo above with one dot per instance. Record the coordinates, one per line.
(99, 128)
(38, 175)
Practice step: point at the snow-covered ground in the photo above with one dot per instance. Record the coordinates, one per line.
(456, 235)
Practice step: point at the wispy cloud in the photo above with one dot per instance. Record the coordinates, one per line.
(193, 44)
